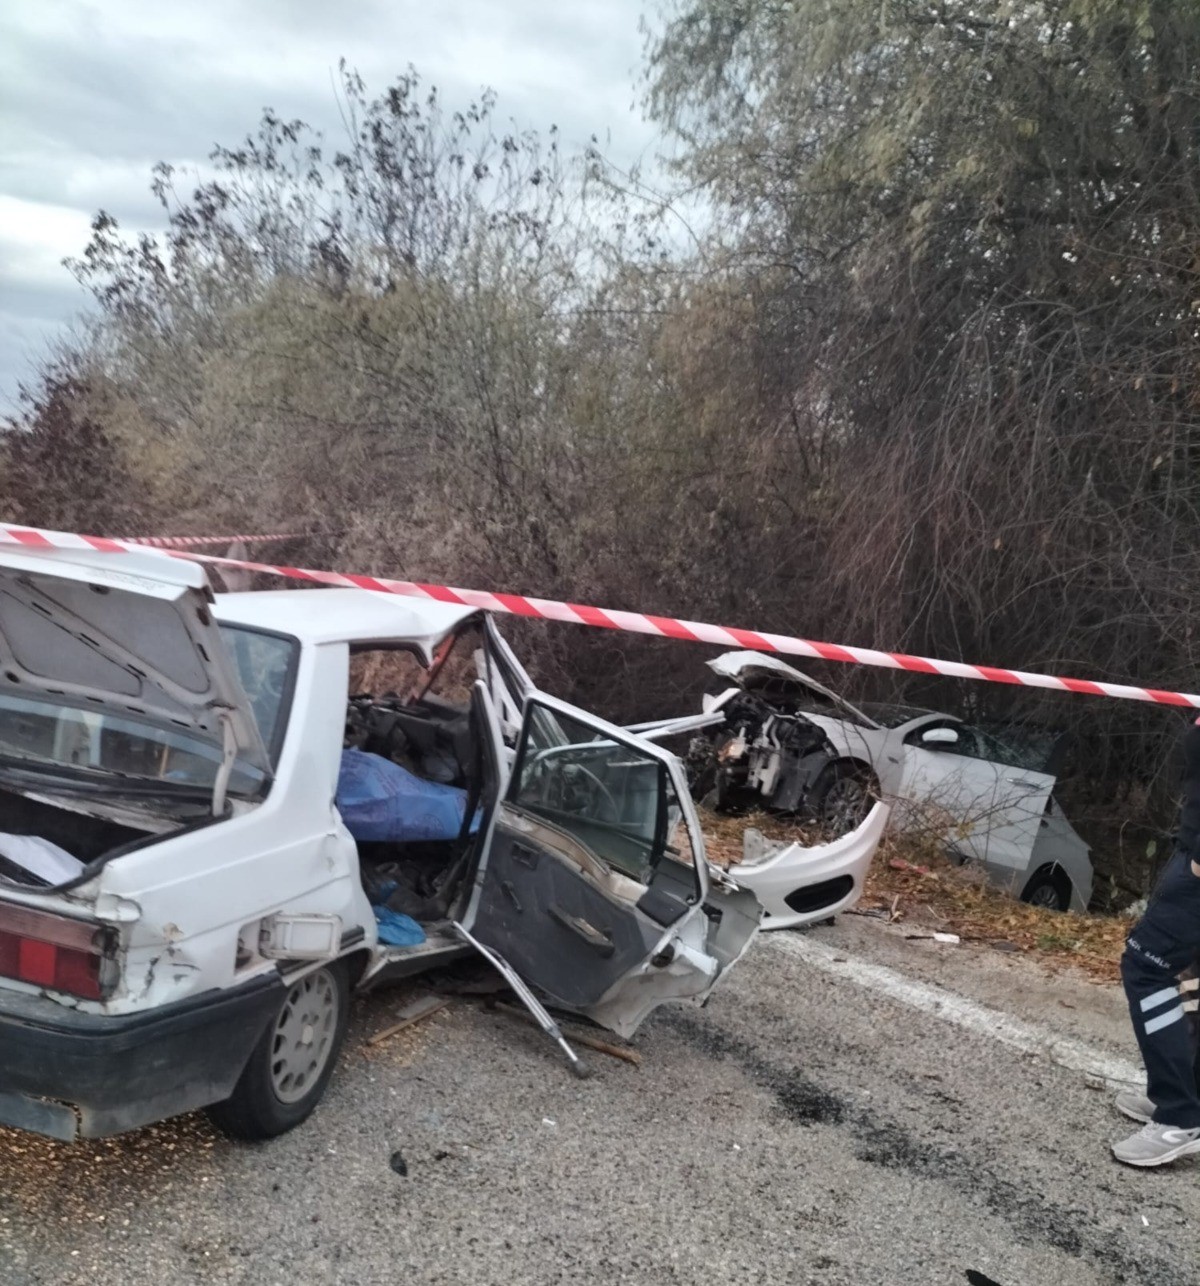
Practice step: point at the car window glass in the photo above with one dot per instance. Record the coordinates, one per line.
(62, 736)
(680, 846)
(264, 663)
(612, 797)
(1030, 749)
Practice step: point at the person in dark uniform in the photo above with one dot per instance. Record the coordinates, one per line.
(1163, 943)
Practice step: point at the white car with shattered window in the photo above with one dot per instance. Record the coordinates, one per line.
(790, 744)
(184, 909)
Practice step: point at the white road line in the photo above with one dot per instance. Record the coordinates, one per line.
(929, 998)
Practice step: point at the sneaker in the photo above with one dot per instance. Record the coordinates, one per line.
(1157, 1144)
(1135, 1106)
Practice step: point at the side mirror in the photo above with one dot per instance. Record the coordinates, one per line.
(939, 737)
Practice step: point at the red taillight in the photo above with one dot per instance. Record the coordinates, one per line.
(52, 951)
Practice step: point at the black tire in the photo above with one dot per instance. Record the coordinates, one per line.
(1048, 888)
(842, 796)
(271, 1097)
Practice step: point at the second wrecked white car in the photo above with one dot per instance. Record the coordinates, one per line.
(207, 842)
(792, 744)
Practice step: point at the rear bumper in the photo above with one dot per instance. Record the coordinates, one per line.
(71, 1075)
(798, 885)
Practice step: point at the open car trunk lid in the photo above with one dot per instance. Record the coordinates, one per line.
(120, 635)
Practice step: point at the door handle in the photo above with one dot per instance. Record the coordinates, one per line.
(600, 941)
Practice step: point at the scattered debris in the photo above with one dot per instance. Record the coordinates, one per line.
(952, 938)
(976, 1278)
(537, 1012)
(482, 983)
(551, 1123)
(977, 912)
(581, 1038)
(903, 864)
(414, 1013)
(399, 1164)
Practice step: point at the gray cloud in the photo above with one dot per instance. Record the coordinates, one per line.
(97, 91)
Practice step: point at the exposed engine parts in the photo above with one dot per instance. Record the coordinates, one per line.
(760, 756)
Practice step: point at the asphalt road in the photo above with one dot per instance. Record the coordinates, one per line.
(803, 1128)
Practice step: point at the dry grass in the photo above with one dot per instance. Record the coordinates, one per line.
(912, 883)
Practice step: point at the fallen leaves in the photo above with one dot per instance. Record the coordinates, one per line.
(958, 901)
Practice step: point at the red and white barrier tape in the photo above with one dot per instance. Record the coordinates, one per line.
(631, 622)
(193, 542)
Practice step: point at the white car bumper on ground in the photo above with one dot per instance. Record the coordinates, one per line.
(798, 885)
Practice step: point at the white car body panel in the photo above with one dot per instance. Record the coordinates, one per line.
(873, 745)
(962, 789)
(775, 872)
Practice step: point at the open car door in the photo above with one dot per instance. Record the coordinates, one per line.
(509, 687)
(593, 884)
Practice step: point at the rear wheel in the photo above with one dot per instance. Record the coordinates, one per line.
(292, 1063)
(1048, 888)
(842, 796)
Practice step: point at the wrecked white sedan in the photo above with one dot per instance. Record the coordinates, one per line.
(793, 745)
(752, 752)
(207, 841)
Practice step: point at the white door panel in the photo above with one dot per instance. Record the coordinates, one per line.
(950, 792)
(593, 880)
(1016, 816)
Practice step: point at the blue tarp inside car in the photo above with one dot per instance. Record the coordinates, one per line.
(381, 802)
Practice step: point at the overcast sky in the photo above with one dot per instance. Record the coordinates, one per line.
(94, 92)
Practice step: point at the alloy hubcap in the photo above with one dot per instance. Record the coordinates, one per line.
(845, 804)
(303, 1039)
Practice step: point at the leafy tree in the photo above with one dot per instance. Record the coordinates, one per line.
(63, 470)
(971, 230)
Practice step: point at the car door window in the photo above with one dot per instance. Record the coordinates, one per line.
(266, 667)
(612, 797)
